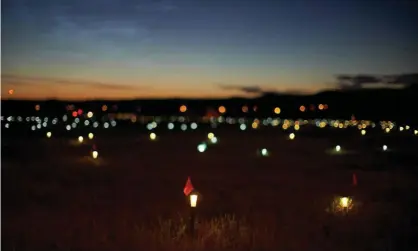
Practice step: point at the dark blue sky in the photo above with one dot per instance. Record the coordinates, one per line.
(190, 47)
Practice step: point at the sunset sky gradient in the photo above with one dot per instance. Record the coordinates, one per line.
(83, 49)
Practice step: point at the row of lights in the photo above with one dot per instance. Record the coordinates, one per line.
(276, 110)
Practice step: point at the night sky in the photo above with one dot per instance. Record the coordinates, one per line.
(194, 48)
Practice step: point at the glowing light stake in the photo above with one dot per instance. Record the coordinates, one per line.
(363, 132)
(48, 134)
(80, 139)
(95, 154)
(292, 136)
(214, 140)
(338, 148)
(416, 132)
(152, 136)
(91, 135)
(193, 200)
(201, 147)
(344, 202)
(264, 152)
(193, 206)
(384, 147)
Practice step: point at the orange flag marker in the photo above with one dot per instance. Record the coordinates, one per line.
(188, 188)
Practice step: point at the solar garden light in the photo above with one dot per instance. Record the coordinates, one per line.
(193, 199)
(91, 135)
(338, 148)
(48, 134)
(152, 136)
(80, 139)
(95, 154)
(263, 152)
(344, 204)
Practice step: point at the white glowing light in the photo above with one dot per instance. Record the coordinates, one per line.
(292, 136)
(91, 135)
(363, 132)
(193, 200)
(80, 139)
(384, 147)
(48, 134)
(264, 152)
(95, 154)
(214, 140)
(338, 148)
(201, 147)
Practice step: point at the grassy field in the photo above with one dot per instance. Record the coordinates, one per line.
(55, 197)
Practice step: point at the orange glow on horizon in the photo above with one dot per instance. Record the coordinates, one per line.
(34, 88)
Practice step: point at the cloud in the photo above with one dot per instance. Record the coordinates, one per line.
(15, 80)
(370, 80)
(246, 89)
(406, 79)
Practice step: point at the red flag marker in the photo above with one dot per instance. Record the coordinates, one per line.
(354, 179)
(188, 188)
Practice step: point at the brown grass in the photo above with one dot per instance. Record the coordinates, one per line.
(55, 198)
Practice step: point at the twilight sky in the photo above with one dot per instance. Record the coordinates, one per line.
(77, 49)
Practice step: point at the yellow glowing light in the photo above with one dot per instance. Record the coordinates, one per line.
(407, 127)
(344, 202)
(277, 110)
(89, 114)
(363, 132)
(95, 154)
(416, 132)
(401, 128)
(297, 127)
(80, 139)
(91, 135)
(254, 125)
(222, 109)
(211, 135)
(387, 130)
(49, 134)
(152, 136)
(183, 108)
(292, 136)
(338, 148)
(285, 126)
(193, 200)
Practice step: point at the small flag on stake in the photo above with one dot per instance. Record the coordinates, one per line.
(354, 179)
(188, 188)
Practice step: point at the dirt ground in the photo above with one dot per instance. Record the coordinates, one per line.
(56, 197)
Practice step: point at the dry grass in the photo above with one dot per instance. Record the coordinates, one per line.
(55, 198)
